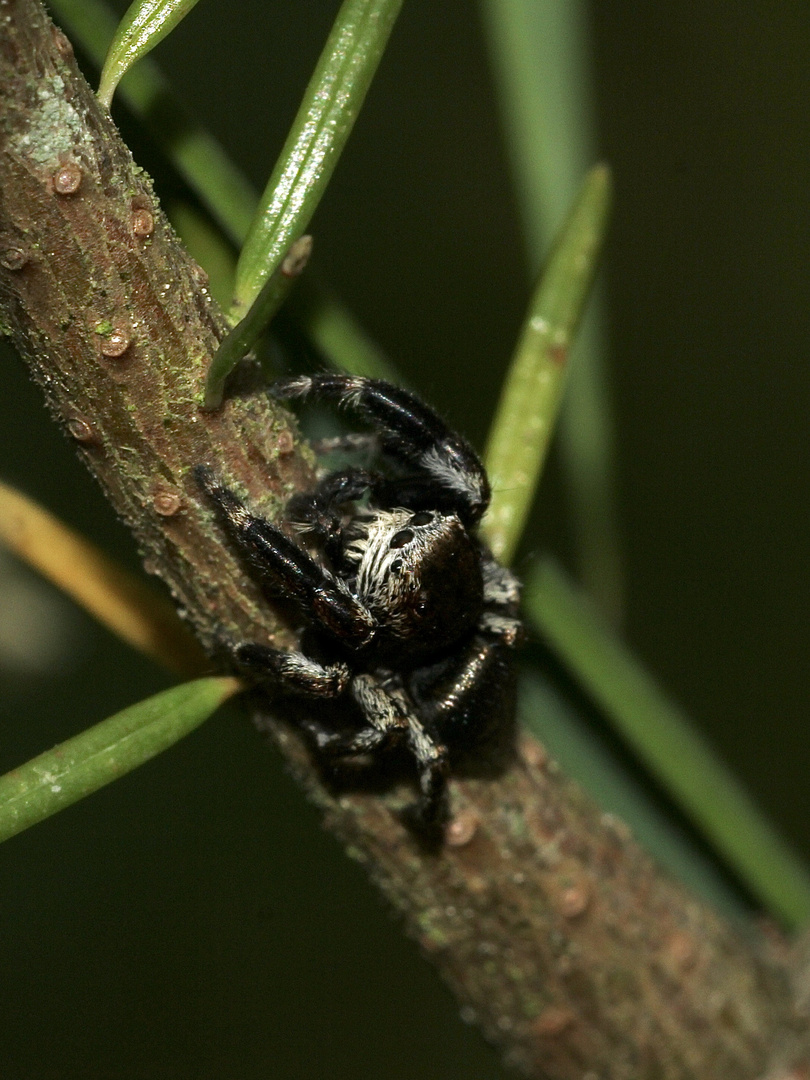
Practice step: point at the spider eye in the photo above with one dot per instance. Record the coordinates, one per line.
(424, 517)
(401, 538)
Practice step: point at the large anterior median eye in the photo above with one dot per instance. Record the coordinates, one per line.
(400, 539)
(424, 517)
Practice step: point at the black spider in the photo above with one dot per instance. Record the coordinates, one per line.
(409, 616)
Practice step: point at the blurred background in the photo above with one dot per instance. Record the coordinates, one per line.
(192, 920)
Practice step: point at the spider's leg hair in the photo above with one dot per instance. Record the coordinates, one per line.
(390, 712)
(293, 671)
(432, 762)
(410, 431)
(345, 744)
(288, 568)
(384, 709)
(500, 619)
(385, 713)
(353, 442)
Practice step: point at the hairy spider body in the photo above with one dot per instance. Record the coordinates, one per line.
(407, 614)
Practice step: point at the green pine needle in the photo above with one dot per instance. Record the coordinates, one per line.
(246, 333)
(145, 23)
(318, 135)
(106, 751)
(530, 399)
(220, 186)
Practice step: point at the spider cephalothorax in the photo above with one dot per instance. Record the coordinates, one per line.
(408, 615)
(419, 574)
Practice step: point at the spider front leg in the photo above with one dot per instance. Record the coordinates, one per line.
(409, 431)
(288, 568)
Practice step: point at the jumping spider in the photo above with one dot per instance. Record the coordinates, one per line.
(409, 616)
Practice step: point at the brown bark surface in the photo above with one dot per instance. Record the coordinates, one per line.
(559, 935)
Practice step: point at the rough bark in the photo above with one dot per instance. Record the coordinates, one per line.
(559, 935)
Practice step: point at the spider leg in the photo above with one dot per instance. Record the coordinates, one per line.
(293, 671)
(319, 512)
(287, 567)
(432, 760)
(469, 699)
(398, 715)
(467, 691)
(500, 619)
(409, 431)
(352, 442)
(342, 486)
(384, 711)
(390, 718)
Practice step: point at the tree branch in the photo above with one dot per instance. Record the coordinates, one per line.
(559, 935)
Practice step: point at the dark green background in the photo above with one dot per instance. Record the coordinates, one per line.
(192, 920)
